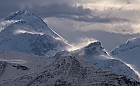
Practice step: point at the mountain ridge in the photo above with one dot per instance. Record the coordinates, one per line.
(27, 33)
(128, 52)
(63, 72)
(95, 54)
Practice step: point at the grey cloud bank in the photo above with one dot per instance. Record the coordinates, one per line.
(83, 18)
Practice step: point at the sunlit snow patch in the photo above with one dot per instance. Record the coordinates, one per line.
(24, 31)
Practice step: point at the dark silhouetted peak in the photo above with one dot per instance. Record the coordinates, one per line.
(94, 45)
(95, 48)
(70, 71)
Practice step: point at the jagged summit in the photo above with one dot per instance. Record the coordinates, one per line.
(92, 49)
(18, 14)
(94, 44)
(96, 48)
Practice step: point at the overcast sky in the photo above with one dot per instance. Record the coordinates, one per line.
(104, 20)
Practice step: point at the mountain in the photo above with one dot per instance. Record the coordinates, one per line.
(11, 70)
(70, 71)
(33, 54)
(15, 64)
(37, 24)
(98, 56)
(25, 32)
(129, 52)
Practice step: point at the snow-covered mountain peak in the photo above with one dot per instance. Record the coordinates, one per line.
(129, 52)
(27, 33)
(98, 56)
(94, 48)
(19, 14)
(26, 29)
(94, 44)
(129, 45)
(35, 22)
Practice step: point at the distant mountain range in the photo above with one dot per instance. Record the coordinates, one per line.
(32, 54)
(129, 52)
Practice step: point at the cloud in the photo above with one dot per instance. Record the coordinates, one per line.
(76, 13)
(9, 6)
(115, 27)
(73, 30)
(59, 9)
(81, 16)
(64, 10)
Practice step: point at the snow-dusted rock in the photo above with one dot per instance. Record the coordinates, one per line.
(70, 71)
(98, 56)
(15, 64)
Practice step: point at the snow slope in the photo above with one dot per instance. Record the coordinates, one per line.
(129, 52)
(97, 55)
(34, 21)
(70, 71)
(14, 64)
(27, 33)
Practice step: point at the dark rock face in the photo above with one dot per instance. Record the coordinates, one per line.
(2, 67)
(69, 71)
(20, 67)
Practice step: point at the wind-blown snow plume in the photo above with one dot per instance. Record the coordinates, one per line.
(128, 52)
(81, 42)
(133, 68)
